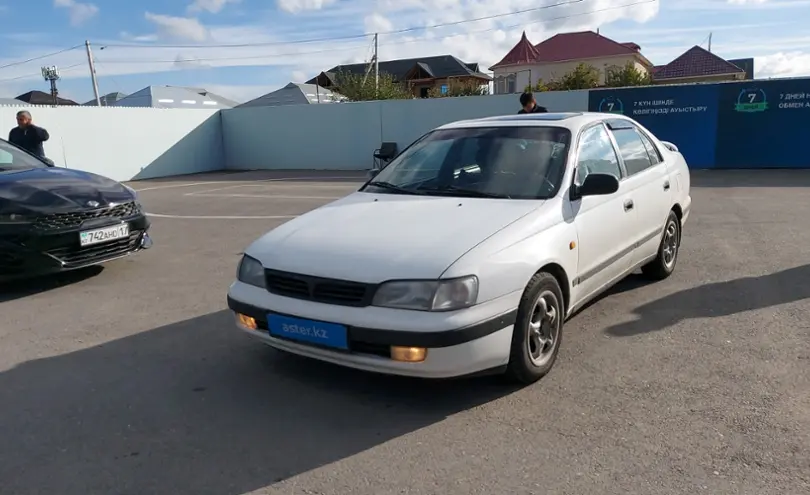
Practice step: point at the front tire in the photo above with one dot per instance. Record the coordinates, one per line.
(664, 264)
(538, 330)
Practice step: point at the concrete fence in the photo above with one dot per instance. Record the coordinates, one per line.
(128, 143)
(726, 125)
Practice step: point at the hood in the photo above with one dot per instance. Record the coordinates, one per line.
(58, 189)
(371, 238)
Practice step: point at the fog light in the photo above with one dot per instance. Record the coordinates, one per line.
(408, 354)
(246, 321)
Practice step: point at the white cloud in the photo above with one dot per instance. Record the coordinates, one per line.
(376, 23)
(179, 28)
(787, 64)
(302, 5)
(212, 6)
(78, 12)
(731, 5)
(486, 41)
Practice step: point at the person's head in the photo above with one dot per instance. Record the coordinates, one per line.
(527, 101)
(23, 118)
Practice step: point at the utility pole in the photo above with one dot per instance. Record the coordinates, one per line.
(92, 72)
(710, 42)
(376, 64)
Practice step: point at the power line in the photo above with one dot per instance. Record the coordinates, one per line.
(31, 75)
(40, 57)
(350, 37)
(393, 43)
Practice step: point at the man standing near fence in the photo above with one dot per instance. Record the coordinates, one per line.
(27, 135)
(530, 105)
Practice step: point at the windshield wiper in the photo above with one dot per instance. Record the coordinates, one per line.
(391, 187)
(460, 191)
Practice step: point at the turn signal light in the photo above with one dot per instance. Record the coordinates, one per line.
(246, 321)
(408, 354)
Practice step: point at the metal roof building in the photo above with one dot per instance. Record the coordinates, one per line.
(13, 102)
(107, 100)
(295, 94)
(175, 97)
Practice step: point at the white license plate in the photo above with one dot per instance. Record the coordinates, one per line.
(107, 234)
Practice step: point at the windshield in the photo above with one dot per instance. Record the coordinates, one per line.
(13, 158)
(499, 162)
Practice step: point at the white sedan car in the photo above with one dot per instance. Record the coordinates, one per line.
(468, 251)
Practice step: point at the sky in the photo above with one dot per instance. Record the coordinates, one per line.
(242, 49)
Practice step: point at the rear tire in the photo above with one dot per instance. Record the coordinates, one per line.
(538, 330)
(664, 264)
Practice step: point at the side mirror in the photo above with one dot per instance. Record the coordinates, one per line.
(670, 146)
(48, 162)
(372, 173)
(597, 185)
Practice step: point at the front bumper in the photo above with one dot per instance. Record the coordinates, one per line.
(28, 252)
(453, 352)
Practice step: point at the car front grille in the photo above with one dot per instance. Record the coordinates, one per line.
(77, 256)
(323, 290)
(56, 221)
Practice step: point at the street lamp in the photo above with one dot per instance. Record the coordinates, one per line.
(51, 74)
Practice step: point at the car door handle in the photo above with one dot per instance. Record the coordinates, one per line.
(628, 205)
(666, 186)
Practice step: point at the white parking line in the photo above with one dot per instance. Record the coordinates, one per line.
(280, 179)
(272, 196)
(221, 217)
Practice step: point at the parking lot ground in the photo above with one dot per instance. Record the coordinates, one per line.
(131, 379)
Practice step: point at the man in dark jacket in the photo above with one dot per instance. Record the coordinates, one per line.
(28, 136)
(529, 104)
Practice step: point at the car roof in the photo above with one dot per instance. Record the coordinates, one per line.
(571, 120)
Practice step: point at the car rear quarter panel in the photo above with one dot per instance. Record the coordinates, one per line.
(506, 262)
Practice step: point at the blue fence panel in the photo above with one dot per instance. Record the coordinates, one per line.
(683, 115)
(761, 124)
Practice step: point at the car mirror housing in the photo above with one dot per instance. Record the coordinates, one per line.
(597, 185)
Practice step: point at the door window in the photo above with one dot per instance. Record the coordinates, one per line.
(634, 153)
(596, 154)
(655, 155)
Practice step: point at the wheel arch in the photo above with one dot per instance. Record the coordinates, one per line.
(558, 272)
(678, 213)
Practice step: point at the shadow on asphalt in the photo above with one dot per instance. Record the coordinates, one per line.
(17, 289)
(750, 178)
(717, 299)
(197, 407)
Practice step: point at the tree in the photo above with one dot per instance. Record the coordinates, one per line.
(460, 88)
(541, 86)
(358, 87)
(584, 76)
(629, 75)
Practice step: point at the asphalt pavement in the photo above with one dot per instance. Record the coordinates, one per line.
(131, 379)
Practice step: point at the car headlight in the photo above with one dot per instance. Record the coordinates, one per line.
(251, 272)
(131, 191)
(428, 295)
(15, 219)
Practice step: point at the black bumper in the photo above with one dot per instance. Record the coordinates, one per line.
(27, 251)
(379, 341)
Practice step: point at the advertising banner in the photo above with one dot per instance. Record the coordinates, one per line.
(684, 115)
(759, 122)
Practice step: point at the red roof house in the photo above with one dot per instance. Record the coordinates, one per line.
(698, 65)
(560, 54)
